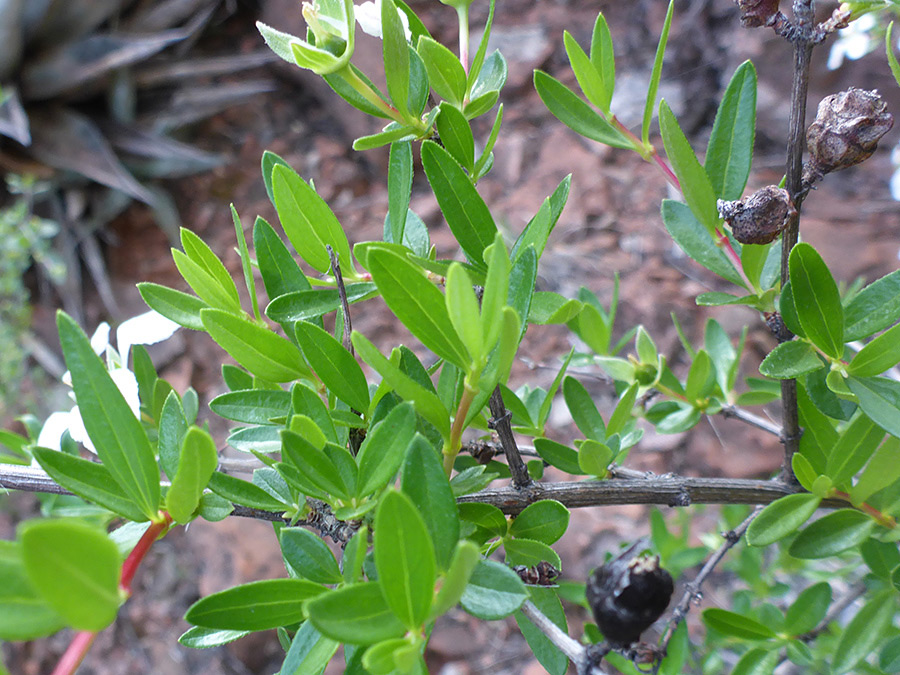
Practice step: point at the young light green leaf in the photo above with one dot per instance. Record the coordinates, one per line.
(280, 272)
(245, 261)
(832, 534)
(199, 252)
(854, 447)
(494, 591)
(309, 222)
(583, 410)
(879, 398)
(182, 308)
(594, 458)
(548, 307)
(889, 47)
(384, 449)
(545, 521)
(259, 350)
(817, 300)
(466, 213)
(445, 72)
(308, 555)
(496, 290)
(565, 105)
(695, 240)
(485, 161)
(396, 56)
(587, 75)
(781, 518)
(119, 437)
(258, 605)
(355, 614)
(700, 377)
(736, 625)
(76, 569)
(695, 185)
(730, 147)
(465, 557)
(198, 637)
(24, 615)
(790, 360)
(623, 412)
(198, 461)
(315, 465)
(882, 470)
(530, 553)
(757, 661)
(334, 365)
(417, 303)
(603, 59)
(462, 308)
(478, 59)
(877, 356)
(808, 609)
(864, 632)
(655, 75)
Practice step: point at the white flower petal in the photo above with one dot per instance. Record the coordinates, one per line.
(53, 429)
(895, 185)
(127, 384)
(143, 329)
(368, 15)
(78, 432)
(100, 338)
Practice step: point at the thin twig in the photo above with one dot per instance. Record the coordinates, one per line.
(803, 46)
(692, 590)
(501, 424)
(342, 293)
(730, 411)
(574, 651)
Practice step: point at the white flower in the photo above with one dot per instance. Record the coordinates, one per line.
(368, 15)
(144, 329)
(853, 42)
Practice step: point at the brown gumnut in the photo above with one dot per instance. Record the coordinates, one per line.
(756, 13)
(759, 218)
(846, 131)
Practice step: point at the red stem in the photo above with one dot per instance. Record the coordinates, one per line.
(83, 640)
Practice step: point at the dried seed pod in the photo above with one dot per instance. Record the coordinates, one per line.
(759, 218)
(756, 13)
(628, 594)
(846, 131)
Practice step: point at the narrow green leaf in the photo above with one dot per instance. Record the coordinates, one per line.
(426, 484)
(541, 225)
(384, 449)
(311, 304)
(342, 87)
(556, 454)
(544, 411)
(781, 518)
(808, 609)
(259, 350)
(482, 166)
(355, 614)
(465, 557)
(874, 308)
(864, 632)
(587, 75)
(445, 72)
(182, 308)
(456, 136)
(308, 555)
(334, 365)
(496, 291)
(695, 185)
(393, 133)
(279, 271)
(309, 222)
(267, 164)
(757, 662)
(241, 492)
(252, 406)
(730, 147)
(417, 303)
(879, 398)
(695, 240)
(198, 637)
(832, 534)
(202, 255)
(404, 556)
(583, 410)
(854, 447)
(245, 261)
(877, 356)
(494, 591)
(400, 176)
(76, 568)
(699, 376)
(466, 213)
(196, 465)
(889, 47)
(622, 414)
(545, 521)
(119, 437)
(89, 480)
(882, 470)
(817, 300)
(655, 75)
(790, 360)
(548, 307)
(396, 56)
(478, 59)
(462, 308)
(315, 465)
(568, 108)
(736, 625)
(603, 59)
(258, 605)
(310, 652)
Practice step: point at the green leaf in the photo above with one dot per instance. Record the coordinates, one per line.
(541, 225)
(253, 406)
(832, 534)
(280, 272)
(589, 78)
(198, 637)
(486, 160)
(334, 365)
(76, 568)
(456, 136)
(465, 557)
(259, 350)
(655, 75)
(565, 105)
(730, 147)
(757, 662)
(529, 553)
(258, 605)
(244, 493)
(24, 615)
(547, 654)
(393, 133)
(342, 87)
(478, 59)
(310, 652)
(878, 356)
(199, 252)
(874, 308)
(418, 304)
(445, 72)
(496, 291)
(485, 516)
(882, 557)
(489, 82)
(695, 240)
(428, 405)
(700, 377)
(864, 632)
(494, 591)
(462, 308)
(245, 261)
(548, 307)
(400, 176)
(309, 222)
(466, 213)
(583, 410)
(384, 449)
(808, 610)
(879, 398)
(736, 625)
(817, 300)
(404, 556)
(268, 164)
(892, 60)
(558, 455)
(854, 447)
(355, 614)
(622, 413)
(90, 480)
(781, 518)
(603, 58)
(310, 304)
(544, 521)
(882, 470)
(790, 360)
(308, 555)
(182, 308)
(594, 458)
(315, 465)
(119, 437)
(198, 461)
(695, 185)
(172, 427)
(426, 484)
(396, 56)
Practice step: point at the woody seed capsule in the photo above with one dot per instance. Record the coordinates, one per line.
(846, 131)
(756, 13)
(759, 218)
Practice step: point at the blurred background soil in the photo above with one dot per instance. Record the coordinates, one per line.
(611, 225)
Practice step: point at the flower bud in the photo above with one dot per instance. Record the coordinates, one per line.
(756, 13)
(759, 218)
(846, 131)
